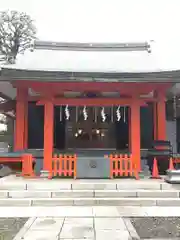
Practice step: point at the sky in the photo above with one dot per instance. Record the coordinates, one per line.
(108, 21)
(101, 20)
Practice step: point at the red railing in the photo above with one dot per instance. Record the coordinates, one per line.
(64, 166)
(122, 166)
(27, 165)
(26, 160)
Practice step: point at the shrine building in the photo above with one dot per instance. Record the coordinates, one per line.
(91, 100)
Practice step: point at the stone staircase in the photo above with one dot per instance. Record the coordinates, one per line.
(88, 193)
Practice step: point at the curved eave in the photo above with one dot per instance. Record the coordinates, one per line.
(162, 76)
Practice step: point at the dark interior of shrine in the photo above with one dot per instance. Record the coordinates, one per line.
(120, 129)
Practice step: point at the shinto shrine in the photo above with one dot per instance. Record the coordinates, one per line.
(89, 114)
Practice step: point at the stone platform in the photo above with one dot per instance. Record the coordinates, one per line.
(17, 191)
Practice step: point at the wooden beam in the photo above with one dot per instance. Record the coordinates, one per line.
(123, 88)
(40, 98)
(92, 101)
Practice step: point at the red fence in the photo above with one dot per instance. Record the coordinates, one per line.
(122, 166)
(26, 160)
(64, 166)
(27, 165)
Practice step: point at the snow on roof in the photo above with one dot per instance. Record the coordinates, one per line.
(82, 61)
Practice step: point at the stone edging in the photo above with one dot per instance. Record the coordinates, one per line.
(25, 228)
(131, 229)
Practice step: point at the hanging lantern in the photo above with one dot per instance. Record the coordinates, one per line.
(103, 115)
(85, 114)
(67, 112)
(95, 114)
(118, 114)
(76, 114)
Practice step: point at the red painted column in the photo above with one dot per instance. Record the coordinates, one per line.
(161, 116)
(48, 134)
(20, 124)
(155, 120)
(135, 133)
(26, 126)
(129, 125)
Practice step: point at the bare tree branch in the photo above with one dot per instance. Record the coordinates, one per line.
(17, 31)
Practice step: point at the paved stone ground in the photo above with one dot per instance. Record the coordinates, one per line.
(92, 228)
(9, 227)
(96, 211)
(157, 227)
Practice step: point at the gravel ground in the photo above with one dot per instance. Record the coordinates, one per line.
(157, 227)
(9, 227)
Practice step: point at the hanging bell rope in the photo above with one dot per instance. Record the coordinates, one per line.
(124, 114)
(112, 114)
(95, 114)
(60, 114)
(76, 114)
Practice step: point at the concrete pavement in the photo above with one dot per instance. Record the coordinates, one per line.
(101, 211)
(77, 228)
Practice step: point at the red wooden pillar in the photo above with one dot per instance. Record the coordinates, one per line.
(155, 120)
(135, 133)
(129, 126)
(48, 134)
(161, 116)
(26, 126)
(21, 119)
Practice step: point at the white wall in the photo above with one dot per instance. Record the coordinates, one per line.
(171, 134)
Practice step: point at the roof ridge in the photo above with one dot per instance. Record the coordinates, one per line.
(92, 46)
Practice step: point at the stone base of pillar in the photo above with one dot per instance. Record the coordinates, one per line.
(44, 174)
(173, 176)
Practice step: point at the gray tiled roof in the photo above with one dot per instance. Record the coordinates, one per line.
(77, 61)
(54, 65)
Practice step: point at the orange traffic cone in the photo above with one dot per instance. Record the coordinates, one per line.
(171, 165)
(155, 171)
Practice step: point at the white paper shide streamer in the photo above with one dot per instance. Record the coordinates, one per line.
(67, 112)
(103, 115)
(85, 114)
(118, 114)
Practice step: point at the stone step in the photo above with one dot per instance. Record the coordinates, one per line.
(43, 202)
(90, 194)
(55, 185)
